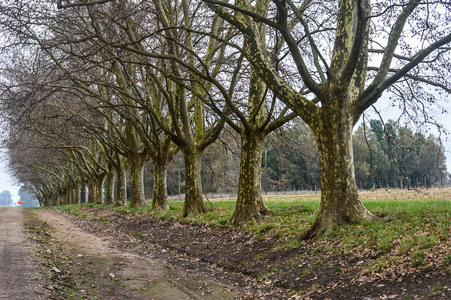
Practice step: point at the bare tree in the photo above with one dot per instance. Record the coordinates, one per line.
(328, 47)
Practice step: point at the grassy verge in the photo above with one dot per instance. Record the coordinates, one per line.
(54, 263)
(419, 235)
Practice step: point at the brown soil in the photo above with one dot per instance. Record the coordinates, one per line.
(81, 265)
(18, 278)
(156, 259)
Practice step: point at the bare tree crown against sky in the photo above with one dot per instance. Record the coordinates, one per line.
(347, 53)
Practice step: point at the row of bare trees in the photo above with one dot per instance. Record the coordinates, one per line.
(90, 88)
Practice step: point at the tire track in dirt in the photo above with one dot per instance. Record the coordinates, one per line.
(111, 274)
(18, 277)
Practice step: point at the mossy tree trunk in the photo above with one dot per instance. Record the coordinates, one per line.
(55, 200)
(161, 153)
(137, 163)
(42, 200)
(340, 203)
(70, 195)
(76, 192)
(92, 191)
(121, 185)
(63, 198)
(100, 183)
(109, 186)
(160, 196)
(248, 202)
(261, 207)
(67, 196)
(194, 202)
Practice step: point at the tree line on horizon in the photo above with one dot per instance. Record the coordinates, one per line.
(28, 198)
(386, 156)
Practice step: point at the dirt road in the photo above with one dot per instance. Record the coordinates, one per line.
(44, 255)
(18, 276)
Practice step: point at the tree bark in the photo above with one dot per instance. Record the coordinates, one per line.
(121, 185)
(194, 203)
(137, 163)
(261, 206)
(99, 189)
(249, 198)
(73, 196)
(67, 196)
(83, 192)
(340, 203)
(91, 191)
(42, 201)
(54, 200)
(109, 187)
(160, 196)
(76, 194)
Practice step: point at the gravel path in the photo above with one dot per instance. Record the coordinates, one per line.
(18, 278)
(115, 274)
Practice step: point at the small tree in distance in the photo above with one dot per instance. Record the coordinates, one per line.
(5, 198)
(29, 198)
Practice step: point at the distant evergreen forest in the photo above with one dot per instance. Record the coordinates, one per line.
(386, 155)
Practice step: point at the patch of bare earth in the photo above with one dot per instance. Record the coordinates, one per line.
(267, 274)
(79, 264)
(18, 276)
(82, 265)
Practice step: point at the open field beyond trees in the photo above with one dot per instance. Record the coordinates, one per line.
(407, 258)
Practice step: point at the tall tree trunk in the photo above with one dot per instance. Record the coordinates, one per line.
(109, 187)
(248, 183)
(55, 200)
(194, 203)
(99, 189)
(261, 207)
(121, 185)
(76, 194)
(340, 203)
(137, 163)
(63, 200)
(160, 196)
(73, 191)
(83, 192)
(42, 201)
(68, 196)
(92, 191)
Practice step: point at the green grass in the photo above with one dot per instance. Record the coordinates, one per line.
(378, 264)
(318, 263)
(305, 271)
(418, 224)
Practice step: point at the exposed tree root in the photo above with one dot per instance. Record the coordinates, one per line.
(322, 227)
